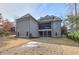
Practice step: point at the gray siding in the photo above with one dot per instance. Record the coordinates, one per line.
(25, 26)
(56, 29)
(34, 28)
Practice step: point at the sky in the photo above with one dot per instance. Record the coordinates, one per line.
(37, 10)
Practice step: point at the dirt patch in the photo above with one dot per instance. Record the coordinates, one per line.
(49, 46)
(43, 49)
(59, 41)
(70, 50)
(11, 43)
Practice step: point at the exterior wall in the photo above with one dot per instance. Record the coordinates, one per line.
(34, 28)
(22, 27)
(25, 26)
(56, 29)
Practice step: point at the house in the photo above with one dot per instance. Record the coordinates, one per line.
(48, 26)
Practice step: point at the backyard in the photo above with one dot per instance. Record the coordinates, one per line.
(37, 46)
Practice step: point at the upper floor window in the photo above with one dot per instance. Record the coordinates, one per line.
(45, 26)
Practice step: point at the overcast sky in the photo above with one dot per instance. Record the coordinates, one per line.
(10, 10)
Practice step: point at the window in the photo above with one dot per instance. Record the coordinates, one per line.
(26, 33)
(45, 26)
(18, 34)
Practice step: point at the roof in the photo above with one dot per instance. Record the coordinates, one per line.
(26, 16)
(49, 18)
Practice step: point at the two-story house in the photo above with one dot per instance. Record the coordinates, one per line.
(48, 26)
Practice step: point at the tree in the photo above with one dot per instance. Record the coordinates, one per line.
(73, 18)
(7, 25)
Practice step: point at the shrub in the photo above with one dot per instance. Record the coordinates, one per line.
(74, 36)
(1, 34)
(4, 33)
